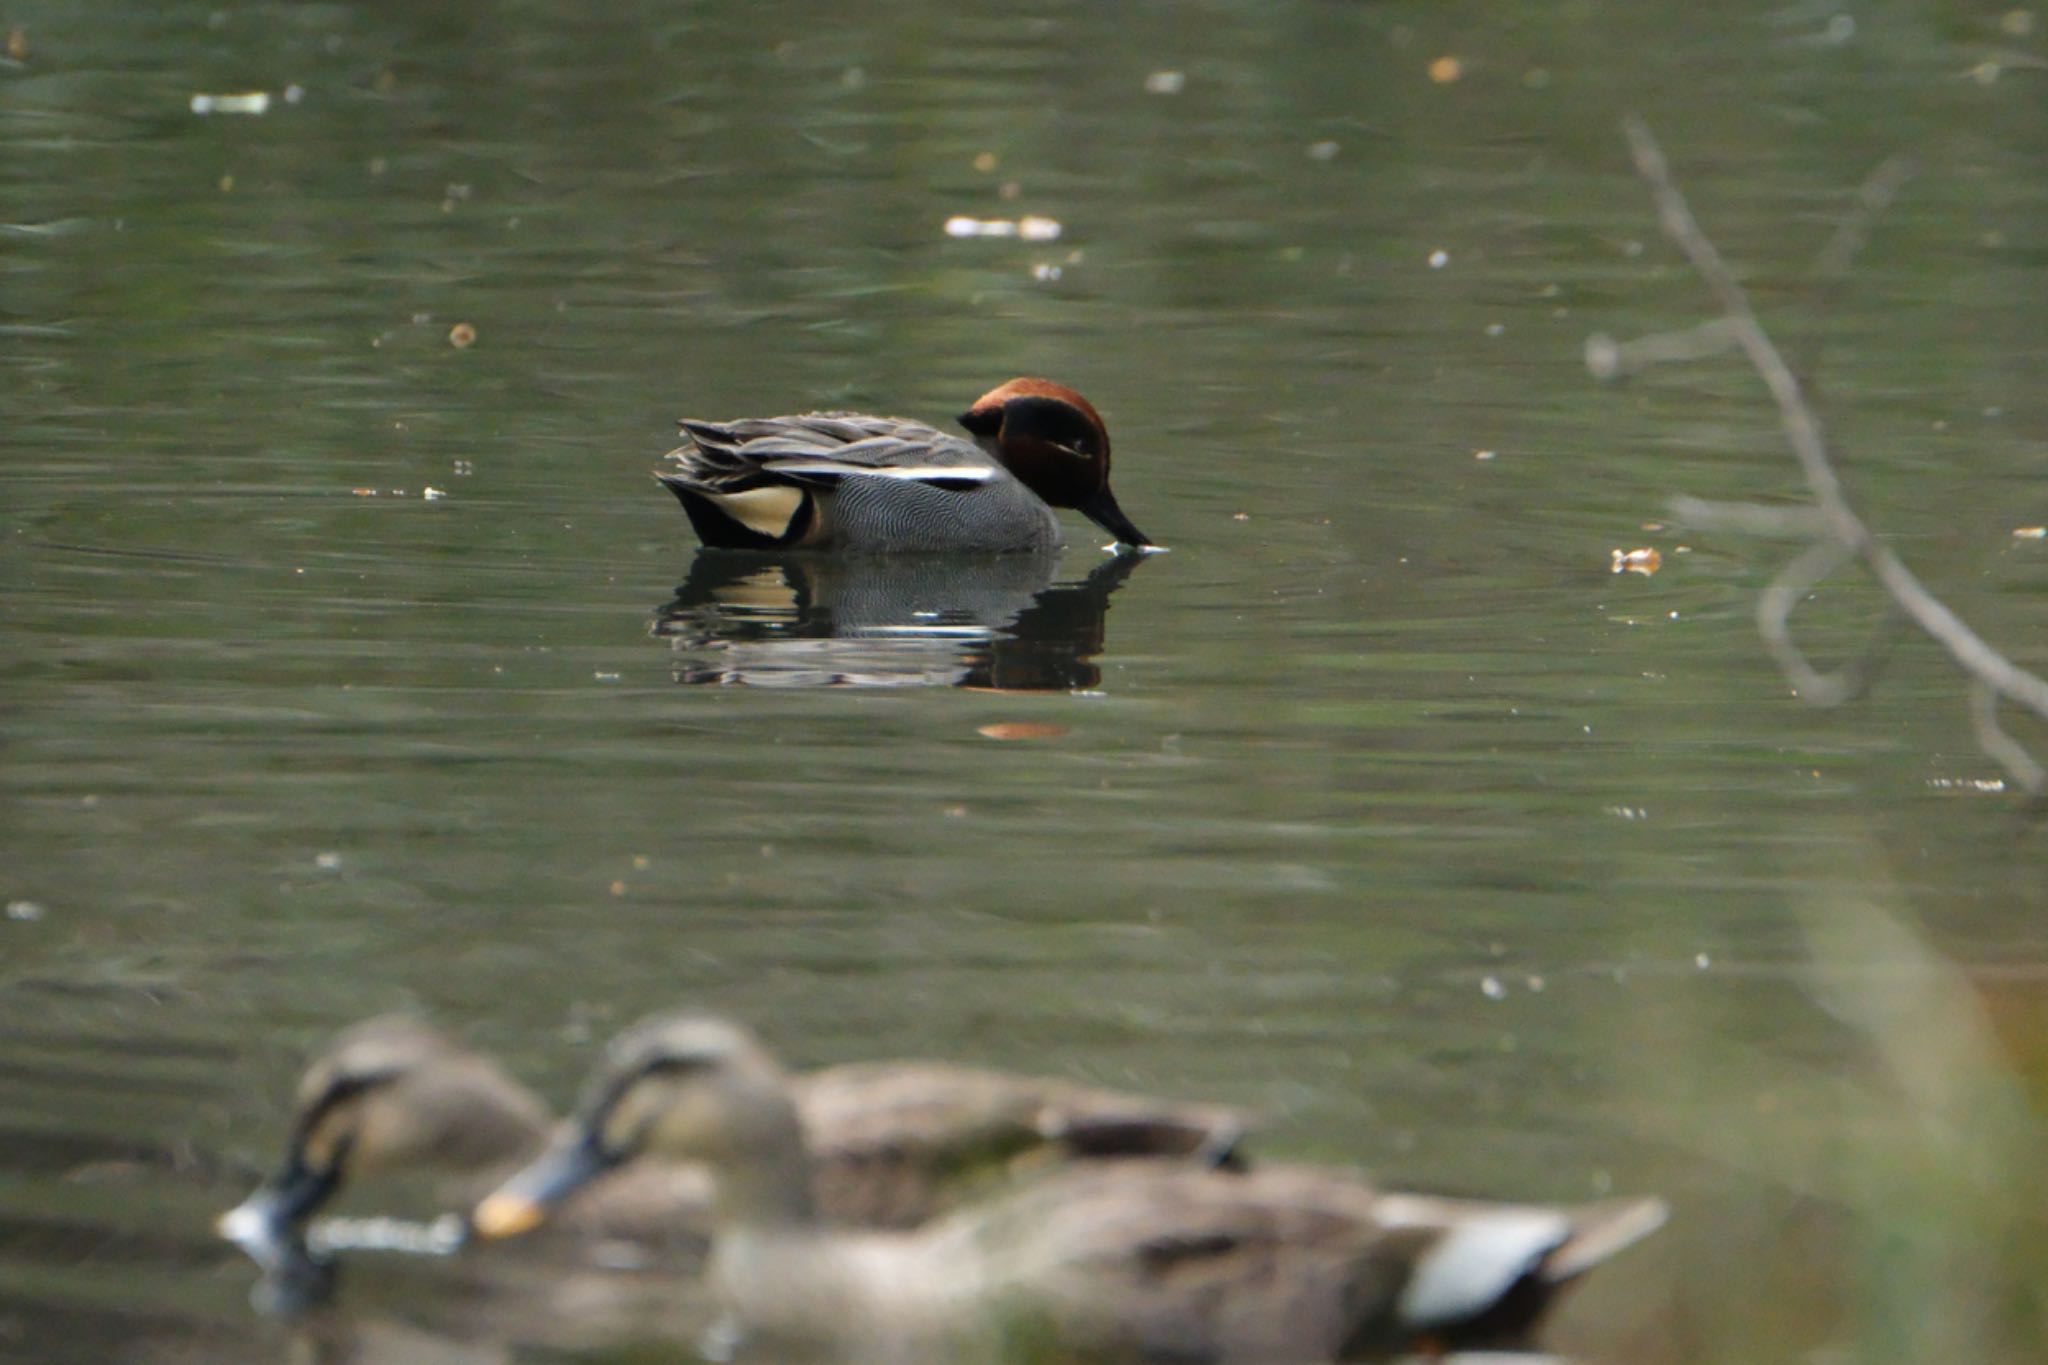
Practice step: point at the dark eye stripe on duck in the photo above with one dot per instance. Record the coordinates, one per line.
(604, 1099)
(343, 1089)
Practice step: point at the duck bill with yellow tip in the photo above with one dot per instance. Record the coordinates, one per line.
(529, 1198)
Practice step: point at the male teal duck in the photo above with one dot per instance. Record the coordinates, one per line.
(891, 1144)
(1146, 1261)
(881, 485)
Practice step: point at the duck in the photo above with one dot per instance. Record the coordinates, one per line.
(390, 1095)
(852, 482)
(891, 1143)
(1141, 1261)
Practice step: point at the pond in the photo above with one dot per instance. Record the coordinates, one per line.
(354, 662)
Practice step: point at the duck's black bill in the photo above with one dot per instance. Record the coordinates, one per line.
(273, 1215)
(528, 1198)
(1101, 509)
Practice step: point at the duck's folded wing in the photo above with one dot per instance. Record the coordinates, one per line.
(821, 450)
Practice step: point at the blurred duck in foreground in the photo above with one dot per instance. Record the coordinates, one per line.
(882, 485)
(391, 1095)
(1153, 1261)
(888, 1144)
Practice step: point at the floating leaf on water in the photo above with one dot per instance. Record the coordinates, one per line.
(1644, 561)
(1166, 82)
(1445, 70)
(2030, 532)
(1021, 729)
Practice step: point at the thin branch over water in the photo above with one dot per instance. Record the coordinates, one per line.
(1838, 535)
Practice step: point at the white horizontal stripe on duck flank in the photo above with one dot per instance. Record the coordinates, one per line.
(1478, 1260)
(921, 473)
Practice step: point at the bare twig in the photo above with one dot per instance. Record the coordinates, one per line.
(1996, 742)
(1752, 518)
(1611, 359)
(1875, 196)
(1831, 267)
(1840, 534)
(1774, 607)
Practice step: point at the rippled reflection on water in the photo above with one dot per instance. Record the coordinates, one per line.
(1000, 623)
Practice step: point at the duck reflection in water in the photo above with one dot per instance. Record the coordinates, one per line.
(998, 622)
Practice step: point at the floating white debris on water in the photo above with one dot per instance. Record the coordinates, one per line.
(1702, 961)
(247, 102)
(24, 912)
(2030, 533)
(1030, 228)
(327, 862)
(1967, 784)
(1490, 987)
(1484, 455)
(1439, 258)
(603, 676)
(1326, 150)
(433, 494)
(1166, 82)
(1045, 272)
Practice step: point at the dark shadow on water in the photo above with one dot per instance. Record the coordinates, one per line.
(810, 621)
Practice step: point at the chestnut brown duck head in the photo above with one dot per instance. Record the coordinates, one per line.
(1055, 442)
